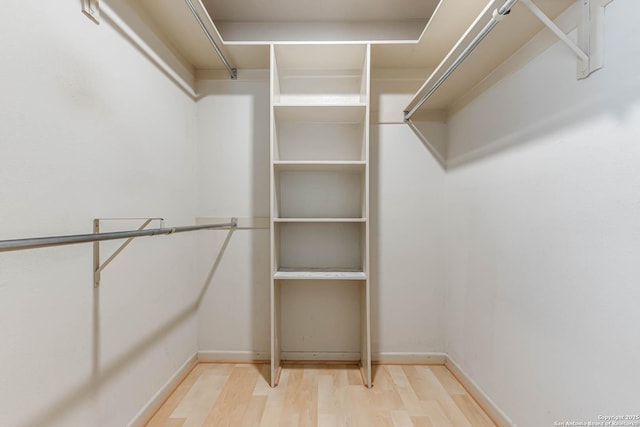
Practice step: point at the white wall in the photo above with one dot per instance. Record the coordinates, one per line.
(407, 228)
(407, 208)
(89, 128)
(543, 208)
(233, 178)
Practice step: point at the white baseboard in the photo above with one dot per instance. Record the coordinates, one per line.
(249, 356)
(409, 358)
(428, 358)
(487, 404)
(148, 410)
(233, 356)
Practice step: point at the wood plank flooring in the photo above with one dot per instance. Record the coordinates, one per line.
(238, 395)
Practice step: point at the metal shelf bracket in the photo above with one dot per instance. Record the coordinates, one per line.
(91, 9)
(590, 46)
(591, 34)
(97, 267)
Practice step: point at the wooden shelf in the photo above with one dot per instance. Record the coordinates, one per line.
(318, 274)
(315, 113)
(319, 133)
(319, 59)
(320, 220)
(318, 101)
(314, 192)
(319, 166)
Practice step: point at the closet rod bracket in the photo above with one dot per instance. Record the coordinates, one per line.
(591, 34)
(233, 71)
(97, 266)
(91, 9)
(589, 48)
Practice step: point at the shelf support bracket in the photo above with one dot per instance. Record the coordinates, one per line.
(91, 9)
(591, 34)
(590, 47)
(97, 267)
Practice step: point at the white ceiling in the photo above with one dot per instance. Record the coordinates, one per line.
(263, 22)
(319, 10)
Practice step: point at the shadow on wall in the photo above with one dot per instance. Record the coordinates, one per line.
(553, 122)
(407, 265)
(214, 268)
(433, 135)
(133, 30)
(234, 179)
(541, 100)
(101, 375)
(260, 239)
(374, 233)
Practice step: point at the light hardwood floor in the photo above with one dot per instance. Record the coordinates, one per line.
(238, 395)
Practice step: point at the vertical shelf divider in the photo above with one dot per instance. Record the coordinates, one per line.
(274, 290)
(365, 308)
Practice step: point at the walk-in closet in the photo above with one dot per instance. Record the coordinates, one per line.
(286, 213)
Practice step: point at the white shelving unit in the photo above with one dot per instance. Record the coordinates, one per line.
(320, 177)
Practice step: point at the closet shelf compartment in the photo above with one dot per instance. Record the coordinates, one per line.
(317, 101)
(319, 246)
(320, 89)
(319, 193)
(319, 166)
(320, 220)
(317, 113)
(314, 74)
(319, 274)
(319, 133)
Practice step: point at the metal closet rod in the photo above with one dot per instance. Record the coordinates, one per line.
(498, 14)
(43, 242)
(232, 71)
